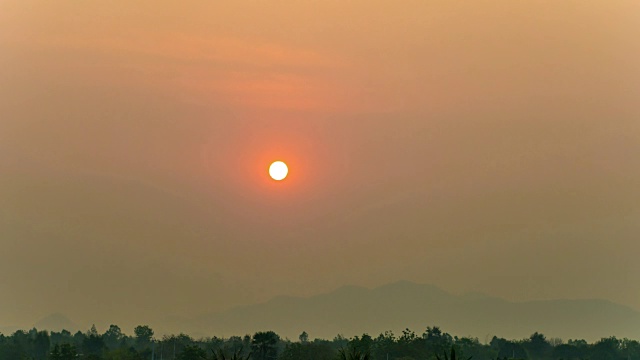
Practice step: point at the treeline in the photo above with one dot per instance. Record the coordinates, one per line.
(432, 344)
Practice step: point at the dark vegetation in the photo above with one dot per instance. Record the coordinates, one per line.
(433, 344)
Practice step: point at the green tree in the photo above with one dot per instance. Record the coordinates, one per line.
(78, 338)
(537, 346)
(143, 335)
(630, 349)
(410, 345)
(22, 342)
(192, 352)
(304, 337)
(63, 336)
(113, 337)
(309, 351)
(385, 345)
(123, 353)
(264, 345)
(237, 354)
(472, 347)
(508, 349)
(566, 351)
(63, 352)
(9, 350)
(363, 344)
(452, 356)
(93, 344)
(353, 354)
(606, 349)
(436, 341)
(41, 345)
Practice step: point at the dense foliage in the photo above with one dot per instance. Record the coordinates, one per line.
(432, 344)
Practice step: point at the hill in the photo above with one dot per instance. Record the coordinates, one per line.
(56, 322)
(355, 310)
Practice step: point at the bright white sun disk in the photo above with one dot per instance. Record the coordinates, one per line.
(278, 170)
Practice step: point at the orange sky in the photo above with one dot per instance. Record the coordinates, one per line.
(485, 146)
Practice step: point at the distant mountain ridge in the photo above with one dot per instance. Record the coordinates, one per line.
(56, 322)
(353, 310)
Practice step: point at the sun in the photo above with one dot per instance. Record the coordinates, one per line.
(278, 170)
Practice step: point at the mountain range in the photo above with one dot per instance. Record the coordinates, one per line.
(355, 310)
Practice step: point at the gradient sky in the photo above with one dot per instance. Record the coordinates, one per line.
(489, 146)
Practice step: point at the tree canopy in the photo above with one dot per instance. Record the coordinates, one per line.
(432, 344)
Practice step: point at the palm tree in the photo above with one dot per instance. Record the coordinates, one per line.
(221, 355)
(353, 354)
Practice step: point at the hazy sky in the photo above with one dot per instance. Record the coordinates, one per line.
(488, 146)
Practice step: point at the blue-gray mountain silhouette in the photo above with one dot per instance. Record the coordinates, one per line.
(355, 310)
(56, 322)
